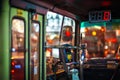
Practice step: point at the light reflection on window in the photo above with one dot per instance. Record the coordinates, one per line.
(34, 54)
(18, 25)
(53, 27)
(18, 49)
(36, 27)
(54, 22)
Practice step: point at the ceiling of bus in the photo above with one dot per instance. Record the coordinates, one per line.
(82, 7)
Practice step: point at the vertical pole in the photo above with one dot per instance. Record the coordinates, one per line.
(82, 58)
(81, 70)
(29, 23)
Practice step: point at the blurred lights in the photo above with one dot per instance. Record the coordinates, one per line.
(18, 25)
(118, 57)
(102, 29)
(12, 71)
(82, 57)
(13, 63)
(36, 27)
(114, 40)
(94, 33)
(13, 50)
(106, 47)
(86, 29)
(21, 39)
(113, 51)
(106, 3)
(97, 27)
(17, 66)
(48, 52)
(68, 33)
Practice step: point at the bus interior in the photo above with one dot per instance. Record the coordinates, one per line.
(60, 39)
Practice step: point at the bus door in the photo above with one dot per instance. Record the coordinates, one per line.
(35, 48)
(25, 45)
(18, 44)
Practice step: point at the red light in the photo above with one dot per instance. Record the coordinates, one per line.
(118, 56)
(68, 33)
(106, 3)
(114, 40)
(13, 63)
(106, 15)
(12, 71)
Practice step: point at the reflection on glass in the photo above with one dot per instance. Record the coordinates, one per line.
(52, 39)
(34, 54)
(54, 22)
(55, 52)
(17, 55)
(53, 27)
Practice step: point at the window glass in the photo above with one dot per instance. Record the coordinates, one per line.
(53, 37)
(102, 38)
(54, 26)
(34, 50)
(18, 48)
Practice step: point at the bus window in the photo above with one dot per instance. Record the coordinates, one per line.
(54, 38)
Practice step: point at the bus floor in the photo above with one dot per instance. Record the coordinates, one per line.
(61, 76)
(91, 74)
(101, 74)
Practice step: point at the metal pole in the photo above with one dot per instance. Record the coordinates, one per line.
(81, 60)
(81, 70)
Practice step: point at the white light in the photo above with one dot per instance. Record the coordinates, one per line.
(82, 30)
(82, 57)
(36, 27)
(13, 49)
(97, 27)
(106, 47)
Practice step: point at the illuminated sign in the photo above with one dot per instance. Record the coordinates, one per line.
(18, 66)
(98, 16)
